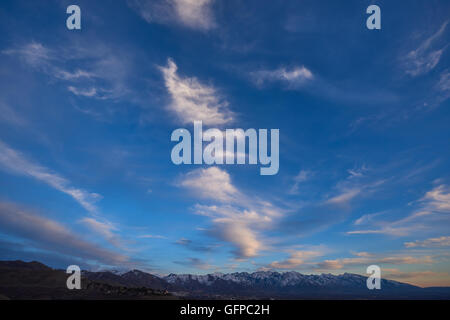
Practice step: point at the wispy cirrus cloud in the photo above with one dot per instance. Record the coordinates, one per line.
(194, 101)
(152, 236)
(91, 92)
(426, 56)
(194, 14)
(366, 259)
(53, 236)
(99, 74)
(444, 82)
(443, 241)
(443, 86)
(344, 197)
(355, 185)
(433, 211)
(9, 115)
(301, 177)
(367, 218)
(13, 161)
(437, 199)
(105, 229)
(47, 60)
(36, 55)
(334, 206)
(77, 74)
(291, 77)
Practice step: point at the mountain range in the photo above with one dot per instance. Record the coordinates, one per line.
(34, 280)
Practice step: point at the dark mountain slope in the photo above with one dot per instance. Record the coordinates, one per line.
(33, 280)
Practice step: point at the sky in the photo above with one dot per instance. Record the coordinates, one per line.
(86, 118)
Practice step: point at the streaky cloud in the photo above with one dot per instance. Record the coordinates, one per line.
(53, 236)
(194, 101)
(15, 162)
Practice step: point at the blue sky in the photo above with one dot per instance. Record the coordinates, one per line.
(86, 117)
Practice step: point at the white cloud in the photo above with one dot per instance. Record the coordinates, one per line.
(344, 197)
(92, 92)
(13, 161)
(443, 241)
(357, 172)
(424, 58)
(77, 74)
(438, 199)
(236, 217)
(193, 101)
(194, 14)
(239, 226)
(211, 183)
(293, 77)
(241, 234)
